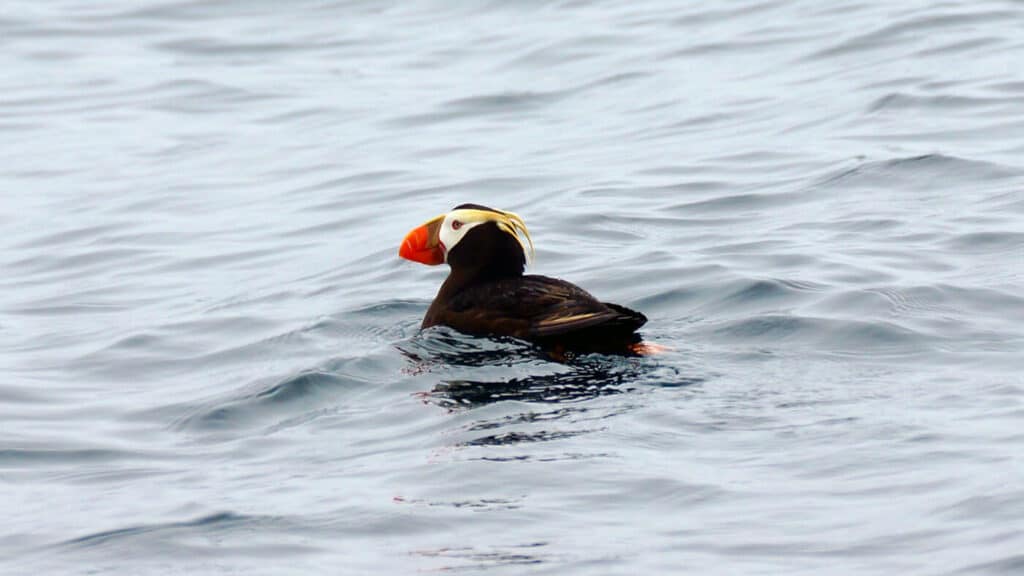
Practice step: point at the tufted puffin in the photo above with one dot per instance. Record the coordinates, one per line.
(487, 293)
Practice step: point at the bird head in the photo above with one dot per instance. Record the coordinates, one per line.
(466, 234)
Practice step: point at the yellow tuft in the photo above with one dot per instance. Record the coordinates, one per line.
(508, 221)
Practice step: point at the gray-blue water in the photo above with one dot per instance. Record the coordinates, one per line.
(210, 352)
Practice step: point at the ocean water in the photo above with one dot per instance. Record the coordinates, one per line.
(210, 351)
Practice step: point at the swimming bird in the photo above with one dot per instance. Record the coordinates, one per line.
(487, 294)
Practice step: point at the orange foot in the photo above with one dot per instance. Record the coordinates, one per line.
(649, 348)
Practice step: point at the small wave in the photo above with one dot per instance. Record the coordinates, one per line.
(848, 337)
(924, 170)
(503, 104)
(739, 203)
(216, 521)
(275, 402)
(897, 31)
(755, 295)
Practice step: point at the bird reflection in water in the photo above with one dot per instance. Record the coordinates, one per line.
(576, 385)
(536, 376)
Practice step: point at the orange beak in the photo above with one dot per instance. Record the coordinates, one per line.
(423, 244)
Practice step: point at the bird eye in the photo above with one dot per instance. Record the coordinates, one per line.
(456, 224)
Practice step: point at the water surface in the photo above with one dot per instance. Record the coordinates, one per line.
(211, 352)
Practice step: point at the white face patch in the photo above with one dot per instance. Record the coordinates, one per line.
(453, 228)
(457, 223)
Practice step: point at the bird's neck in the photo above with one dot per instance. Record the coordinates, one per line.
(495, 270)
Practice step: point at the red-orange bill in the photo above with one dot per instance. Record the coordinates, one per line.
(422, 244)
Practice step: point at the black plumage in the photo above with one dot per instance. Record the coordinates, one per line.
(487, 293)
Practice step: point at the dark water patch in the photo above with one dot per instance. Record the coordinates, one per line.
(211, 48)
(899, 101)
(455, 394)
(573, 385)
(961, 47)
(803, 285)
(443, 346)
(18, 458)
(22, 392)
(618, 78)
(1005, 507)
(499, 105)
(72, 32)
(15, 127)
(514, 438)
(576, 380)
(744, 248)
(482, 504)
(539, 425)
(573, 413)
(184, 11)
(1007, 86)
(989, 242)
(298, 387)
(311, 115)
(860, 225)
(53, 307)
(465, 558)
(1010, 565)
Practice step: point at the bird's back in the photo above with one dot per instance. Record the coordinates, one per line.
(548, 311)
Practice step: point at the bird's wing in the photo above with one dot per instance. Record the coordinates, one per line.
(544, 307)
